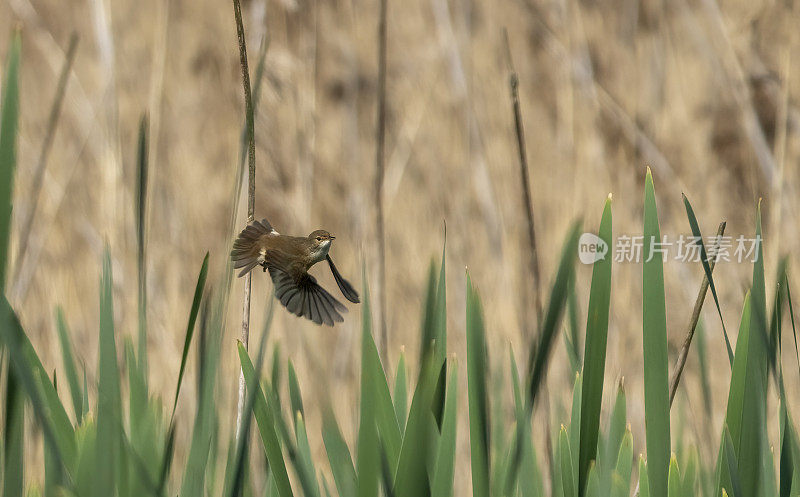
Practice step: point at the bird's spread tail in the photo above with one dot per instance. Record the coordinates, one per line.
(246, 253)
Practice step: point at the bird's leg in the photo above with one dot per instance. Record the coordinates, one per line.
(262, 259)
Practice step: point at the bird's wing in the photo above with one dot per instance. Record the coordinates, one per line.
(302, 296)
(282, 261)
(347, 289)
(246, 253)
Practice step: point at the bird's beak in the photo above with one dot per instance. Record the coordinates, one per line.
(333, 237)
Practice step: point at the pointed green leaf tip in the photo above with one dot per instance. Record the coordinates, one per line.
(477, 393)
(595, 354)
(654, 341)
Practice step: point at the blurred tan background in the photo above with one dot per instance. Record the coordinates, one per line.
(701, 90)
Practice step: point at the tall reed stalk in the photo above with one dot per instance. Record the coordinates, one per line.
(251, 192)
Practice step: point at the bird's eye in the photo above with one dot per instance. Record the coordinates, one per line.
(319, 238)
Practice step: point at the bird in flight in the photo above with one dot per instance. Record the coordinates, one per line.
(288, 259)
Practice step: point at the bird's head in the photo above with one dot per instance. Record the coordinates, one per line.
(320, 241)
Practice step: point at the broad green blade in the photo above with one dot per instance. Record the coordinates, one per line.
(737, 402)
(707, 268)
(690, 475)
(540, 352)
(9, 116)
(572, 339)
(377, 413)
(418, 450)
(295, 398)
(434, 318)
(675, 482)
(285, 434)
(750, 458)
(593, 482)
(555, 472)
(619, 486)
(595, 352)
(567, 480)
(733, 466)
(85, 401)
(266, 426)
(204, 433)
(401, 393)
(768, 485)
(276, 376)
(440, 313)
(613, 441)
(187, 342)
(69, 365)
(440, 339)
(654, 332)
(746, 415)
(238, 475)
(498, 436)
(787, 457)
(109, 410)
(501, 463)
(477, 394)
(794, 329)
(166, 460)
(625, 458)
(539, 355)
(86, 459)
(776, 324)
(13, 437)
(530, 480)
(434, 329)
(428, 314)
(386, 474)
(644, 479)
(144, 445)
(574, 429)
(53, 470)
(141, 425)
(344, 473)
(229, 476)
(34, 381)
(446, 456)
(305, 464)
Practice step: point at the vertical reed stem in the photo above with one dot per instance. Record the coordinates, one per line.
(251, 192)
(533, 260)
(698, 306)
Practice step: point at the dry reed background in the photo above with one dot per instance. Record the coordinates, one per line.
(701, 90)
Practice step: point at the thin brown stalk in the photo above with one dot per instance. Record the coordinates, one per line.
(251, 191)
(533, 260)
(698, 306)
(380, 165)
(44, 154)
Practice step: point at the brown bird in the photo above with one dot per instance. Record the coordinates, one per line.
(288, 259)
